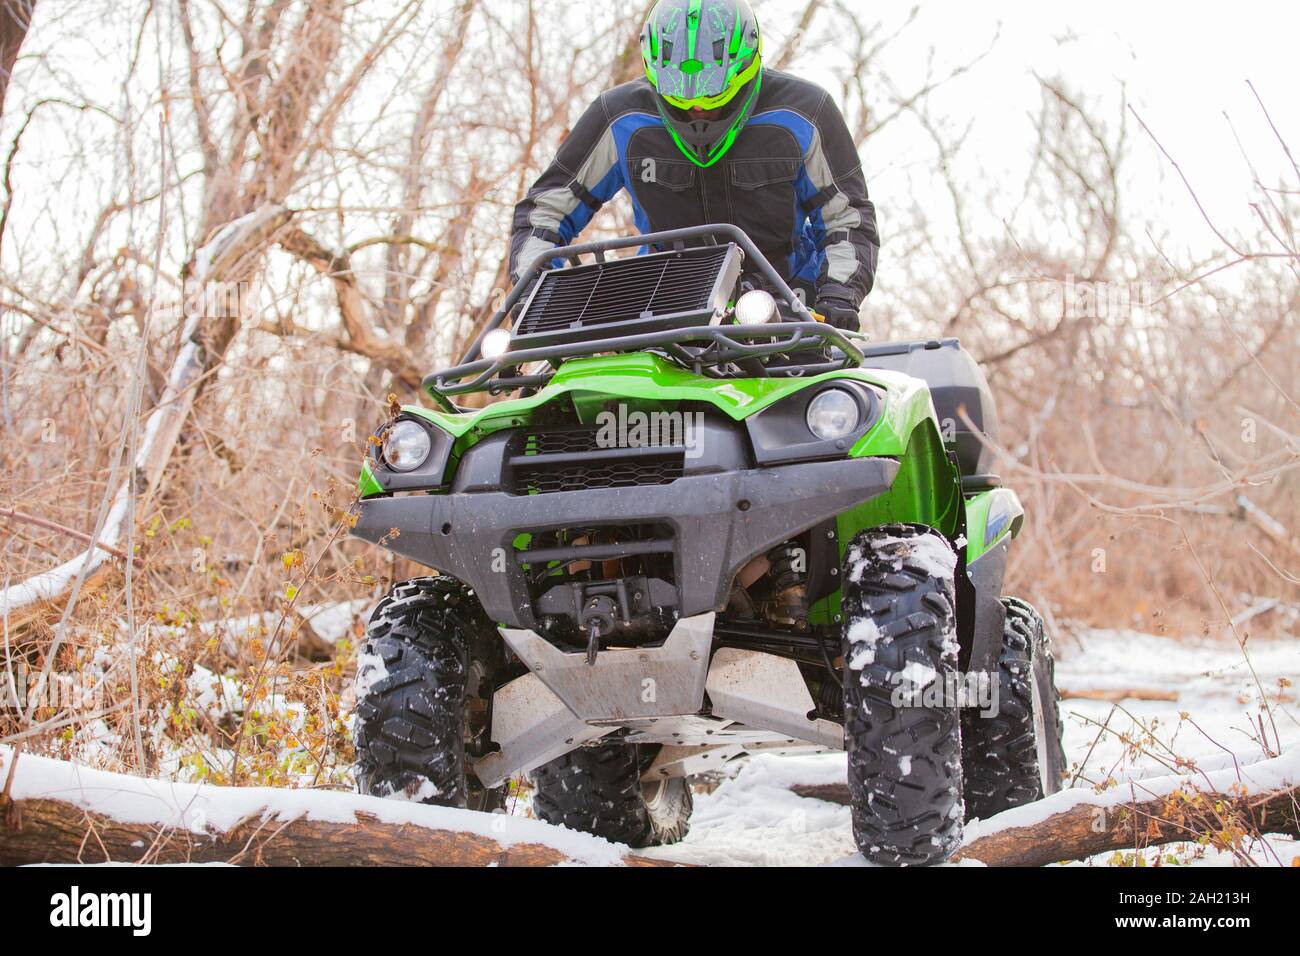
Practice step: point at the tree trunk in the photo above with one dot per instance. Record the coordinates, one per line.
(51, 831)
(1220, 805)
(229, 258)
(52, 811)
(15, 19)
(1088, 829)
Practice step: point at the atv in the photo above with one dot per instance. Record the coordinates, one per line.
(699, 523)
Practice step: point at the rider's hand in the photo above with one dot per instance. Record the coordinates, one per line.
(839, 313)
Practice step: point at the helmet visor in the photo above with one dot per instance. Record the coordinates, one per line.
(711, 93)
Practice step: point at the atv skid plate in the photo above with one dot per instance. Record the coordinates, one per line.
(756, 701)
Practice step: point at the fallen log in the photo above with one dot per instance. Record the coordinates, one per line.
(62, 813)
(51, 831)
(1186, 816)
(830, 792)
(1116, 694)
(1224, 806)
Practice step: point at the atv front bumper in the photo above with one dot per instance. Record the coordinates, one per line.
(719, 523)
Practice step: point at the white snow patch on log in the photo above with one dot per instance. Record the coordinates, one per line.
(52, 583)
(203, 809)
(1275, 774)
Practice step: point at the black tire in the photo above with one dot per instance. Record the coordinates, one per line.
(904, 761)
(599, 790)
(1015, 756)
(425, 679)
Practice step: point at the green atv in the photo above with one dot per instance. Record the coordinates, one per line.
(703, 524)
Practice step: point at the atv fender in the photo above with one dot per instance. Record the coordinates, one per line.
(992, 519)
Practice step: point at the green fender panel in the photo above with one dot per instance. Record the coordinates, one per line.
(650, 383)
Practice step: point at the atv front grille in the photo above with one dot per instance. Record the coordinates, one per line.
(629, 296)
(574, 459)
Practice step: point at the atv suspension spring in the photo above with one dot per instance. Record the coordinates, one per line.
(789, 566)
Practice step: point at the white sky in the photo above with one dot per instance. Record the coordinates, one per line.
(1183, 66)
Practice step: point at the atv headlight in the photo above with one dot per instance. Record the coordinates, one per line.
(406, 446)
(495, 344)
(755, 307)
(833, 414)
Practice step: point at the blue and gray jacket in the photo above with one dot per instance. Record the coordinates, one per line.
(792, 180)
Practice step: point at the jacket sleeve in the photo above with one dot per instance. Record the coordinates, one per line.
(584, 175)
(842, 217)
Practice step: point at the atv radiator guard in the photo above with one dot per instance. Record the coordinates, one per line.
(719, 522)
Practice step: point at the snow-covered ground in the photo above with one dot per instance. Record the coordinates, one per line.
(753, 818)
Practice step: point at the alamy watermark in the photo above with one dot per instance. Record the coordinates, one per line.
(216, 299)
(74, 909)
(21, 688)
(1085, 299)
(632, 428)
(919, 686)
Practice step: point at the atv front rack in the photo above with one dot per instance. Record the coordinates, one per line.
(704, 349)
(707, 349)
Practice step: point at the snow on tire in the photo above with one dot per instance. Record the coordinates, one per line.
(904, 764)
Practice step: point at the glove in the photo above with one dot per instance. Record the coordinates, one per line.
(840, 313)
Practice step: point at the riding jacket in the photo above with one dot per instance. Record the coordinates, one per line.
(792, 180)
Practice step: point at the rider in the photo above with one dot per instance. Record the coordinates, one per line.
(712, 136)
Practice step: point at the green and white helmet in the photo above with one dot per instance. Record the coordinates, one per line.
(703, 55)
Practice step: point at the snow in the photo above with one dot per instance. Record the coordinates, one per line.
(207, 254)
(753, 818)
(919, 675)
(416, 792)
(933, 554)
(202, 809)
(864, 636)
(51, 583)
(1280, 772)
(215, 694)
(333, 622)
(370, 671)
(1212, 681)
